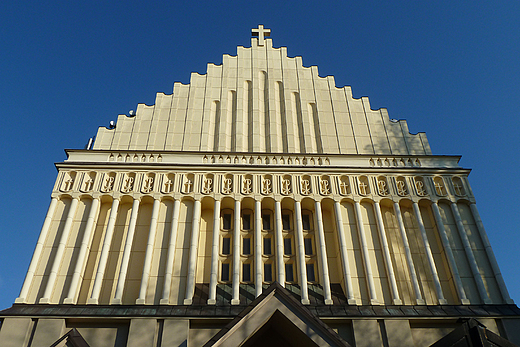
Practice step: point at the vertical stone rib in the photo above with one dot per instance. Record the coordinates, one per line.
(213, 280)
(170, 258)
(37, 252)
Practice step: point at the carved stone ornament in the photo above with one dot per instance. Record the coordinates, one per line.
(401, 188)
(382, 187)
(228, 186)
(421, 191)
(286, 186)
(325, 187)
(148, 185)
(207, 185)
(306, 187)
(247, 187)
(267, 187)
(108, 184)
(128, 185)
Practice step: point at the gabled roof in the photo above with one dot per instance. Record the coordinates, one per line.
(71, 339)
(276, 318)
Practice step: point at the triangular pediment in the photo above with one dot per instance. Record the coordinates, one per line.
(276, 318)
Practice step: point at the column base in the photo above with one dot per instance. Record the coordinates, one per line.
(328, 302)
(19, 301)
(212, 302)
(397, 302)
(92, 301)
(116, 301)
(44, 301)
(488, 301)
(374, 302)
(164, 302)
(352, 302)
(188, 301)
(443, 302)
(69, 301)
(235, 302)
(510, 301)
(420, 302)
(139, 302)
(306, 302)
(465, 301)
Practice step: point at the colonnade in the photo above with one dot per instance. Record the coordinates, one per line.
(322, 260)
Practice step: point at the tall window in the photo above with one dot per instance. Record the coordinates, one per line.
(226, 221)
(224, 275)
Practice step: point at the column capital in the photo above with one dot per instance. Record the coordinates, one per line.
(177, 195)
(197, 196)
(217, 196)
(55, 195)
(96, 195)
(337, 198)
(277, 197)
(116, 196)
(298, 197)
(257, 197)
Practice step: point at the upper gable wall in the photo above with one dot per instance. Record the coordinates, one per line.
(264, 102)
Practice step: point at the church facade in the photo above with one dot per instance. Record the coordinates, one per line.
(260, 204)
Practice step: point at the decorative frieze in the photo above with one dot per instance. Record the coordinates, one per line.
(247, 184)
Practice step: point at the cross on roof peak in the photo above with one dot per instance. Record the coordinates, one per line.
(261, 33)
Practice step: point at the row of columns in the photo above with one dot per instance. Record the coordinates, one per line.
(258, 277)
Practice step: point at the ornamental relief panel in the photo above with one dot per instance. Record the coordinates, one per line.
(148, 183)
(87, 183)
(107, 185)
(68, 181)
(247, 184)
(267, 184)
(207, 184)
(325, 188)
(128, 182)
(227, 184)
(305, 185)
(402, 188)
(168, 183)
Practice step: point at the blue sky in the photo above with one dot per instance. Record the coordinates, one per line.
(450, 68)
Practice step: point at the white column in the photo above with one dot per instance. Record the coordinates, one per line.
(491, 256)
(429, 255)
(323, 254)
(449, 254)
(396, 300)
(192, 261)
(344, 254)
(94, 297)
(37, 253)
(301, 253)
(83, 252)
(280, 265)
(236, 256)
(258, 248)
(59, 252)
(469, 254)
(411, 268)
(213, 279)
(165, 300)
(126, 254)
(149, 253)
(366, 255)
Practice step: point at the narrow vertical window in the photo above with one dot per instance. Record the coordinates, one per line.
(246, 246)
(289, 275)
(224, 276)
(307, 242)
(311, 276)
(268, 273)
(246, 222)
(266, 222)
(226, 221)
(226, 246)
(287, 246)
(267, 246)
(286, 222)
(306, 221)
(246, 272)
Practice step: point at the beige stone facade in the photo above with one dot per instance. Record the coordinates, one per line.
(259, 171)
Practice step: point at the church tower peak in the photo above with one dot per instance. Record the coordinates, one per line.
(261, 33)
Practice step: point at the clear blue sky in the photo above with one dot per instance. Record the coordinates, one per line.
(450, 68)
